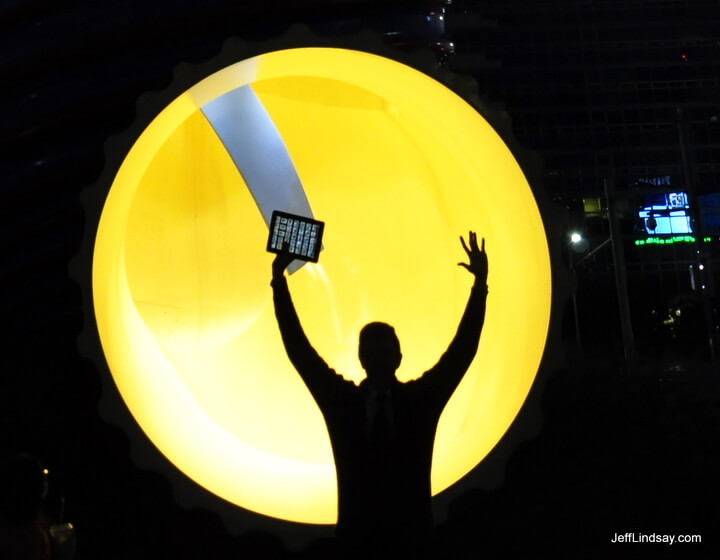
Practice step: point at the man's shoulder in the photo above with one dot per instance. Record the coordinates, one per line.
(410, 388)
(335, 385)
(422, 389)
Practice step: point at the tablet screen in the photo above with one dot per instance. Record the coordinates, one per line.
(303, 235)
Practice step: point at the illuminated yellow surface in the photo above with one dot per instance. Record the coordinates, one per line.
(398, 167)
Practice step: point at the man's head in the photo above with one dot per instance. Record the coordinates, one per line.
(379, 353)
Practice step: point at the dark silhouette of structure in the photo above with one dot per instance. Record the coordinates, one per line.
(24, 529)
(27, 530)
(382, 431)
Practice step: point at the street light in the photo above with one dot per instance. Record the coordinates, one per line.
(579, 244)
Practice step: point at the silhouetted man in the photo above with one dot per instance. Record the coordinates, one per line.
(382, 431)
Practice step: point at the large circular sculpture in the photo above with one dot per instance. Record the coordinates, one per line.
(398, 167)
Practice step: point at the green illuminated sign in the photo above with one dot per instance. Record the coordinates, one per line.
(669, 240)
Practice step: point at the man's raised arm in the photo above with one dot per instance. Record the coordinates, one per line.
(449, 371)
(311, 367)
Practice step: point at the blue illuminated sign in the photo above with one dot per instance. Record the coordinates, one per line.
(668, 218)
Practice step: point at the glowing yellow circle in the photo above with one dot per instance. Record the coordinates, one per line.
(397, 166)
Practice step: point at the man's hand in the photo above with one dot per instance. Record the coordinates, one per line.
(478, 264)
(282, 261)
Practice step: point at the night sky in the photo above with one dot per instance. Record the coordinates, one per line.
(598, 451)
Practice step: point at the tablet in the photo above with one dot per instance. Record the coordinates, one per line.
(303, 235)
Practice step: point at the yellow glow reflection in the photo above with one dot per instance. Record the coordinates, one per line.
(398, 167)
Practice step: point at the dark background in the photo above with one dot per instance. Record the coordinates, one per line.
(619, 449)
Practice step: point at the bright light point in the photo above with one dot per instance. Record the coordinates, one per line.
(181, 278)
(576, 237)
